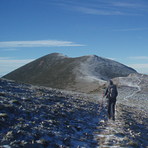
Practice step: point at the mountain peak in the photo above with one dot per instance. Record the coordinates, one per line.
(59, 71)
(58, 54)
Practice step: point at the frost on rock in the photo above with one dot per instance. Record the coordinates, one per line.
(32, 116)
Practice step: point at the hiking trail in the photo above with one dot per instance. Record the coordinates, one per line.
(110, 133)
(139, 79)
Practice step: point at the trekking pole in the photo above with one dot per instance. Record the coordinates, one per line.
(101, 104)
(103, 101)
(101, 110)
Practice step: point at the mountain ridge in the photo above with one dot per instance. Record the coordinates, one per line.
(82, 74)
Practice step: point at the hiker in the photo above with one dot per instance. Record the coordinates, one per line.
(111, 94)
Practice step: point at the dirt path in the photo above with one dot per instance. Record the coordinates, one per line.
(118, 133)
(139, 79)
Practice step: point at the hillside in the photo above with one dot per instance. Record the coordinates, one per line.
(133, 90)
(38, 117)
(83, 74)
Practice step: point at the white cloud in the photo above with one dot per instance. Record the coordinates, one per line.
(131, 29)
(111, 58)
(5, 58)
(39, 43)
(142, 68)
(127, 5)
(139, 58)
(99, 11)
(10, 49)
(7, 64)
(105, 7)
(139, 65)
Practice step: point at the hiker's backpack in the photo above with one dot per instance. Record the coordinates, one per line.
(112, 91)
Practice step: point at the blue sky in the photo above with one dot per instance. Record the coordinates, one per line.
(116, 29)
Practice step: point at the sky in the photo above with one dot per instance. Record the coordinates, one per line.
(115, 29)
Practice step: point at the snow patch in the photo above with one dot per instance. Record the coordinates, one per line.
(62, 55)
(88, 69)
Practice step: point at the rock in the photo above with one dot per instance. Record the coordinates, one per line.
(5, 146)
(78, 128)
(35, 145)
(102, 121)
(3, 115)
(9, 135)
(43, 142)
(15, 102)
(55, 118)
(67, 141)
(2, 94)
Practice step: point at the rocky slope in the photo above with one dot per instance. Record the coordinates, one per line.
(133, 90)
(38, 117)
(83, 74)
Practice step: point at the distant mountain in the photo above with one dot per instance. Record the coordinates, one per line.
(83, 74)
(135, 80)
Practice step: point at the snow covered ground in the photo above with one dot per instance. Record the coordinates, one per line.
(39, 117)
(133, 90)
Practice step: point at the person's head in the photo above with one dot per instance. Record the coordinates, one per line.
(110, 82)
